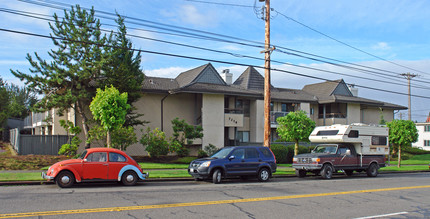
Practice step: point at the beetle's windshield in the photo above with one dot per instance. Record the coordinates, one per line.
(328, 149)
(83, 154)
(222, 153)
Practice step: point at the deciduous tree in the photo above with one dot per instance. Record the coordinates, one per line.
(110, 108)
(402, 133)
(295, 126)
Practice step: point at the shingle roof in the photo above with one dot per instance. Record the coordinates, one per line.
(153, 84)
(250, 79)
(185, 78)
(322, 89)
(251, 84)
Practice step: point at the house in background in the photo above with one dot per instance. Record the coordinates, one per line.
(423, 135)
(232, 113)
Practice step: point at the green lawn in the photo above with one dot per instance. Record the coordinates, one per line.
(149, 166)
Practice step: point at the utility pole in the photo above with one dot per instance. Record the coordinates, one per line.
(409, 76)
(267, 51)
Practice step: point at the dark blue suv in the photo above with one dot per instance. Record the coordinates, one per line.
(243, 161)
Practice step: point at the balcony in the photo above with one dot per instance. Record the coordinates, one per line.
(275, 115)
(233, 118)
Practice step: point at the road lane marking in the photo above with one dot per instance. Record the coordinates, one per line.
(382, 215)
(189, 204)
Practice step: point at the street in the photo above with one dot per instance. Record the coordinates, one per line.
(386, 196)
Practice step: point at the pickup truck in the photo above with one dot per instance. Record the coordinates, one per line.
(327, 159)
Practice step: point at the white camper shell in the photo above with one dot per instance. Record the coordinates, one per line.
(367, 139)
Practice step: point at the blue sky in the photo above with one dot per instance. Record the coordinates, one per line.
(396, 32)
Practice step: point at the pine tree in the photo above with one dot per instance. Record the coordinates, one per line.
(122, 70)
(68, 81)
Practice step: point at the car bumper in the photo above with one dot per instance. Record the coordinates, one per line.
(307, 166)
(45, 176)
(143, 176)
(201, 173)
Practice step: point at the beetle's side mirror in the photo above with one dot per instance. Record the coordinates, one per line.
(231, 157)
(85, 160)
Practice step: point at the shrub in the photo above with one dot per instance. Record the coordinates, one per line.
(285, 154)
(68, 150)
(415, 151)
(210, 149)
(201, 153)
(281, 152)
(155, 142)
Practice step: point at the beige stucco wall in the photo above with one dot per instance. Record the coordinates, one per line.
(372, 115)
(213, 119)
(353, 113)
(257, 124)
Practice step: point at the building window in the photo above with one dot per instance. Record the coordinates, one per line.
(243, 136)
(287, 107)
(244, 105)
(426, 142)
(427, 128)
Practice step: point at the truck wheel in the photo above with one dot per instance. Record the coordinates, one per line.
(216, 176)
(65, 179)
(348, 172)
(327, 171)
(372, 171)
(301, 173)
(263, 175)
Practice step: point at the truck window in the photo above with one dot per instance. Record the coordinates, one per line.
(327, 132)
(353, 134)
(328, 149)
(379, 140)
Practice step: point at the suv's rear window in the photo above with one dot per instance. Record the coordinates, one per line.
(266, 152)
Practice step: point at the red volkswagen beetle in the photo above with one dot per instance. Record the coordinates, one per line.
(94, 165)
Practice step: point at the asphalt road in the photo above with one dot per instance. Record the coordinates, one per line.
(385, 196)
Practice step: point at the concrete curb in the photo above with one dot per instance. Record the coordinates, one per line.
(23, 183)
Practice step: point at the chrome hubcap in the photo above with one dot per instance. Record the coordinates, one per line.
(65, 179)
(130, 178)
(264, 175)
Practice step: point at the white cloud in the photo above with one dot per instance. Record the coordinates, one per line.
(381, 46)
(189, 14)
(170, 72)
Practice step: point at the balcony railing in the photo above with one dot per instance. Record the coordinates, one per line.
(332, 115)
(275, 115)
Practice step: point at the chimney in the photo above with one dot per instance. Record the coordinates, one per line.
(227, 76)
(353, 90)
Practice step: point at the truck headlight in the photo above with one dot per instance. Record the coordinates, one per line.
(205, 164)
(295, 159)
(316, 160)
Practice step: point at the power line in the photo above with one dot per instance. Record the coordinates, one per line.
(44, 3)
(200, 59)
(22, 13)
(317, 31)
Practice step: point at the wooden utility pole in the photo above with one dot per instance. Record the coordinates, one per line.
(267, 52)
(409, 76)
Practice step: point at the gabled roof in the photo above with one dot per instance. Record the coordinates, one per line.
(205, 79)
(203, 74)
(328, 88)
(251, 79)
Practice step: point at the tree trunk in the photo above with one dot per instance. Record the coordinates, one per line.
(296, 148)
(108, 139)
(85, 127)
(399, 158)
